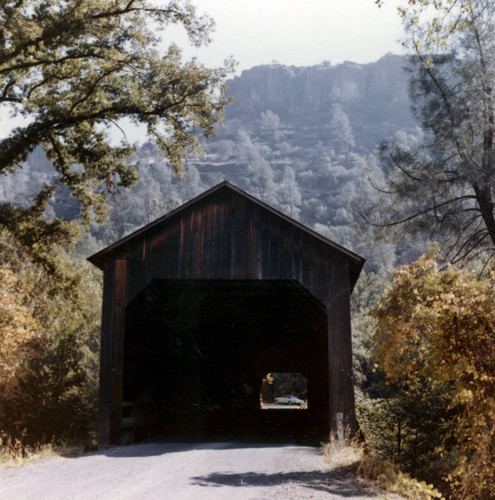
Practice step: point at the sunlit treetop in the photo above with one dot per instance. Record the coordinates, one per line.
(431, 23)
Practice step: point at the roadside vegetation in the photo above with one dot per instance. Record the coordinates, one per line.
(425, 356)
(15, 452)
(425, 383)
(379, 474)
(48, 349)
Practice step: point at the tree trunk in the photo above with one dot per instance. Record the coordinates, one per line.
(485, 203)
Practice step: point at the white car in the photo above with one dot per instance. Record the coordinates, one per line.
(288, 400)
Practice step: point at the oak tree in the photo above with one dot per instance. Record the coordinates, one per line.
(70, 70)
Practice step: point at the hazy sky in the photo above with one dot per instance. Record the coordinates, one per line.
(298, 32)
(291, 32)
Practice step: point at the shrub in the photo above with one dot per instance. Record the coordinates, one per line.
(435, 340)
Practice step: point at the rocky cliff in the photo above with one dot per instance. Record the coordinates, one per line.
(374, 96)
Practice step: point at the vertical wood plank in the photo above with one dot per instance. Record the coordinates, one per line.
(198, 223)
(251, 244)
(340, 355)
(232, 244)
(241, 240)
(208, 257)
(180, 250)
(117, 357)
(216, 231)
(105, 356)
(346, 335)
(285, 252)
(225, 227)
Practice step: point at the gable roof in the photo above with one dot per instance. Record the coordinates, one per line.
(356, 260)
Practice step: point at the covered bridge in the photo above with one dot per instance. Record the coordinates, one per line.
(202, 304)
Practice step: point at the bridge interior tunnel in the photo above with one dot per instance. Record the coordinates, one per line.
(196, 353)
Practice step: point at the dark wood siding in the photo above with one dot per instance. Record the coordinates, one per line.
(112, 346)
(229, 237)
(226, 235)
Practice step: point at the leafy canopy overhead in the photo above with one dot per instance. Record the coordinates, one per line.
(72, 69)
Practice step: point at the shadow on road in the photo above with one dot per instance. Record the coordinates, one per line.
(336, 482)
(160, 448)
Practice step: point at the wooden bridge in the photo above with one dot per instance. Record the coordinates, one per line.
(202, 303)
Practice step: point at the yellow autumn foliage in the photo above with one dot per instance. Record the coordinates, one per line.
(49, 325)
(19, 331)
(438, 327)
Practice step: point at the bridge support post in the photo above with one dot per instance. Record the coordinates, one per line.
(111, 353)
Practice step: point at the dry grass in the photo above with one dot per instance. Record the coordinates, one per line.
(14, 452)
(348, 455)
(375, 472)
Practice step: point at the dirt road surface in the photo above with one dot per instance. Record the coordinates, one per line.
(216, 471)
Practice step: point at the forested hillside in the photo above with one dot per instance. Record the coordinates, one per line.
(301, 139)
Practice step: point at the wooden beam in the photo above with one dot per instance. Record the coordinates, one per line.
(111, 353)
(342, 411)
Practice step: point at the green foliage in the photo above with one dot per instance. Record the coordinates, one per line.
(398, 424)
(53, 398)
(76, 68)
(435, 335)
(405, 427)
(18, 330)
(37, 236)
(392, 479)
(364, 300)
(51, 390)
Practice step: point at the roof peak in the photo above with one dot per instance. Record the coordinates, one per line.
(98, 257)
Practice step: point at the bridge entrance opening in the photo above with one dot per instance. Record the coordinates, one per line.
(195, 352)
(284, 391)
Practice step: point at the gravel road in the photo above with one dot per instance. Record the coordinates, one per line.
(184, 472)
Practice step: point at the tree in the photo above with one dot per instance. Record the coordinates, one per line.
(73, 69)
(445, 186)
(259, 170)
(435, 334)
(432, 23)
(365, 296)
(290, 195)
(270, 124)
(49, 343)
(341, 129)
